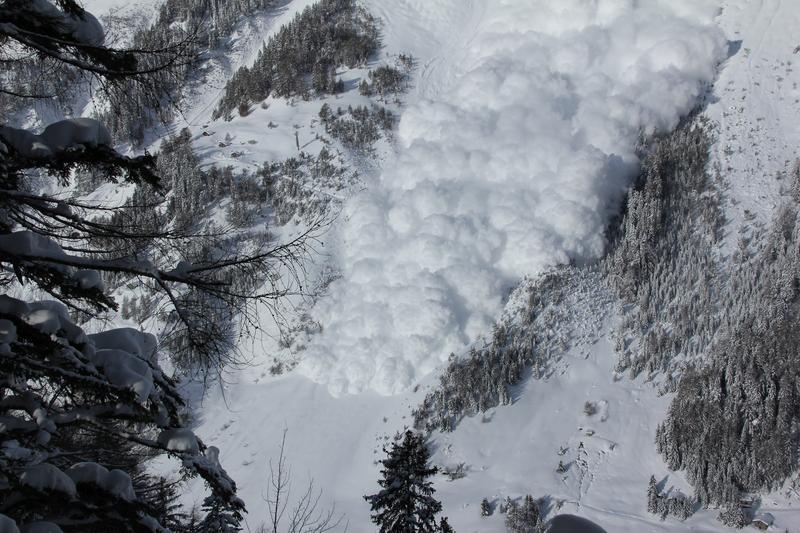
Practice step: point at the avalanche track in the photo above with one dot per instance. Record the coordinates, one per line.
(511, 157)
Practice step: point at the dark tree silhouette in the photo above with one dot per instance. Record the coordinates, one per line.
(405, 503)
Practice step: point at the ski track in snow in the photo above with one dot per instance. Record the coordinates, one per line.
(514, 154)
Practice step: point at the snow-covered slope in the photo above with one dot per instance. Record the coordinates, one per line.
(757, 107)
(515, 145)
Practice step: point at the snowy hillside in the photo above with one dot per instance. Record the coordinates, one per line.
(475, 209)
(515, 144)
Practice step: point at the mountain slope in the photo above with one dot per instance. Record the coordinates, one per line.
(515, 147)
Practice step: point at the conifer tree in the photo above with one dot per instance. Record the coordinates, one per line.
(219, 517)
(406, 504)
(652, 496)
(444, 526)
(523, 518)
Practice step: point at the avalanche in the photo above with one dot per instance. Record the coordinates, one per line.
(511, 161)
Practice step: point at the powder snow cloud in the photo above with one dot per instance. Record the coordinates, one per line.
(513, 167)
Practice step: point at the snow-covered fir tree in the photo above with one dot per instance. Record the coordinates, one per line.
(524, 518)
(219, 517)
(405, 503)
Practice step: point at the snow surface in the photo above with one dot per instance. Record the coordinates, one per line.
(513, 163)
(756, 106)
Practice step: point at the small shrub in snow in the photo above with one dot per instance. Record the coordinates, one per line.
(455, 472)
(486, 508)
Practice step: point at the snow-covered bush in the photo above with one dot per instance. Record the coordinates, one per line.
(357, 128)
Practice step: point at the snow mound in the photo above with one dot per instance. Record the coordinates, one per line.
(7, 525)
(83, 28)
(126, 370)
(115, 482)
(63, 135)
(49, 478)
(179, 440)
(515, 167)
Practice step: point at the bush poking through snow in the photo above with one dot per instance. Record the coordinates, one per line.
(304, 516)
(486, 508)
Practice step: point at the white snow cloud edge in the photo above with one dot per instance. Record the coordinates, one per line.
(516, 167)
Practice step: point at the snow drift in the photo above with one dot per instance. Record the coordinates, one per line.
(514, 167)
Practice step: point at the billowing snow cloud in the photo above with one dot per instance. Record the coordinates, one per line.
(515, 166)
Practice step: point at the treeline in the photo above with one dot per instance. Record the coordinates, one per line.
(520, 346)
(734, 424)
(722, 332)
(302, 57)
(196, 26)
(663, 260)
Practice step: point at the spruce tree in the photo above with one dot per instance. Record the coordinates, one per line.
(652, 496)
(445, 527)
(406, 504)
(219, 517)
(523, 518)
